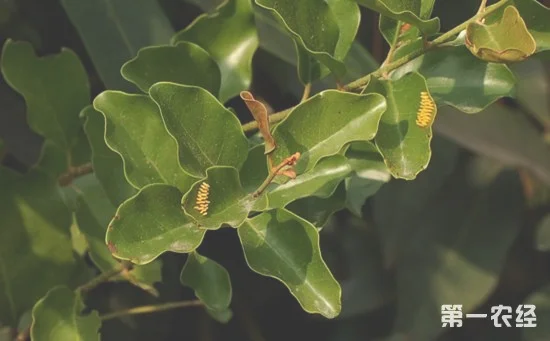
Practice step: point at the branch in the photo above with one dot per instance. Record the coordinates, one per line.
(147, 309)
(361, 82)
(104, 277)
(67, 178)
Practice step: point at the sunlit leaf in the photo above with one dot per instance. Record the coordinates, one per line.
(151, 223)
(107, 164)
(281, 245)
(322, 30)
(537, 19)
(507, 40)
(229, 36)
(120, 35)
(185, 63)
(216, 139)
(58, 316)
(209, 280)
(227, 202)
(454, 77)
(135, 130)
(406, 11)
(93, 213)
(321, 181)
(404, 144)
(55, 89)
(322, 125)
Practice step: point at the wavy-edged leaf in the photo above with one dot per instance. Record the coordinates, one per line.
(321, 181)
(454, 77)
(370, 173)
(254, 170)
(404, 144)
(400, 33)
(505, 41)
(326, 122)
(58, 316)
(228, 203)
(93, 213)
(537, 19)
(120, 35)
(107, 164)
(151, 223)
(55, 89)
(34, 239)
(406, 11)
(281, 245)
(317, 210)
(322, 30)
(135, 130)
(216, 139)
(229, 36)
(185, 63)
(209, 280)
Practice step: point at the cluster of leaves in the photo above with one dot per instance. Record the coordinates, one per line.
(163, 129)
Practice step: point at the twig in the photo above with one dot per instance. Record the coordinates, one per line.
(147, 309)
(361, 82)
(289, 161)
(307, 91)
(482, 6)
(104, 277)
(67, 178)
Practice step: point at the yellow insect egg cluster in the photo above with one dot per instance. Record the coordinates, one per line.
(202, 199)
(425, 114)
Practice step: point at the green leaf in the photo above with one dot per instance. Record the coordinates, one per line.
(107, 164)
(151, 223)
(499, 133)
(34, 239)
(254, 170)
(537, 19)
(228, 202)
(454, 77)
(229, 36)
(281, 245)
(209, 280)
(507, 40)
(323, 32)
(222, 316)
(318, 210)
(406, 11)
(326, 122)
(370, 173)
(447, 258)
(543, 234)
(93, 213)
(119, 36)
(216, 139)
(185, 63)
(409, 198)
(541, 300)
(321, 181)
(135, 130)
(391, 29)
(58, 316)
(404, 144)
(55, 89)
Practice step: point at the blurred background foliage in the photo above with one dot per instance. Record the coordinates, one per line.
(473, 229)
